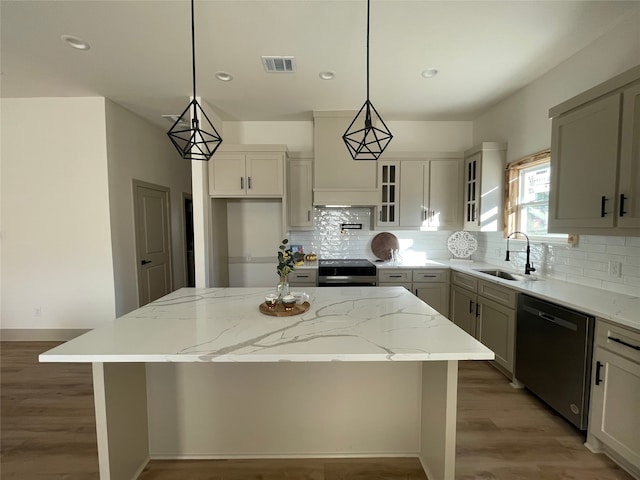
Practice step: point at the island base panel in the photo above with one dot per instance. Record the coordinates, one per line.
(438, 419)
(205, 410)
(120, 396)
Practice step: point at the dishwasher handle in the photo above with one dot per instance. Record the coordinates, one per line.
(552, 319)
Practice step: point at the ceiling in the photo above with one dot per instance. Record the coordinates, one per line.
(140, 55)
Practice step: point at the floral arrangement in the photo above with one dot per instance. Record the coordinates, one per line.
(287, 259)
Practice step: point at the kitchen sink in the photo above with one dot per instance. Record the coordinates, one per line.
(506, 275)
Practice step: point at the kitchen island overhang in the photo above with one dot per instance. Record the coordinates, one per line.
(201, 373)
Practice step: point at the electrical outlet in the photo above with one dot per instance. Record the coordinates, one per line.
(37, 311)
(249, 257)
(615, 269)
(496, 251)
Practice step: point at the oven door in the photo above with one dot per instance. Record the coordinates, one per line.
(346, 281)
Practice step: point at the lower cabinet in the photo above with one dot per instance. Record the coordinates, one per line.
(394, 277)
(430, 285)
(463, 309)
(487, 311)
(614, 414)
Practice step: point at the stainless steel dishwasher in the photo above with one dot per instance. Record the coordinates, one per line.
(554, 348)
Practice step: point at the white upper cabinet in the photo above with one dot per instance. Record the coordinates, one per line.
(430, 194)
(254, 173)
(595, 160)
(483, 186)
(388, 183)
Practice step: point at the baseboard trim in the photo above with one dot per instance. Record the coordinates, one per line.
(40, 334)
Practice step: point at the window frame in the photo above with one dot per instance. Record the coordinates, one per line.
(512, 195)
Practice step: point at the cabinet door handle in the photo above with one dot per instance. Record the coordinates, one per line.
(308, 215)
(429, 276)
(598, 368)
(241, 183)
(249, 183)
(622, 199)
(302, 276)
(477, 309)
(424, 214)
(603, 202)
(470, 306)
(395, 276)
(626, 344)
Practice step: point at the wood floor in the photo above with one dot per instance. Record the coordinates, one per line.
(48, 432)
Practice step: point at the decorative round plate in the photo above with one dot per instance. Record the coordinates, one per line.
(382, 243)
(462, 244)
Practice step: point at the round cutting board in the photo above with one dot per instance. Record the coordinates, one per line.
(382, 243)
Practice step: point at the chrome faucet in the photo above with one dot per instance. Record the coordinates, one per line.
(528, 266)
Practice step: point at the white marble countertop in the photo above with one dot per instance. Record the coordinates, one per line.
(617, 307)
(224, 325)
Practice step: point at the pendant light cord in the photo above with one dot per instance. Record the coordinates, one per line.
(193, 50)
(368, 9)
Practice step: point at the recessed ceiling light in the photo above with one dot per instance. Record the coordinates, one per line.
(224, 76)
(326, 75)
(75, 42)
(430, 72)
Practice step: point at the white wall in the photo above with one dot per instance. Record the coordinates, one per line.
(522, 119)
(430, 136)
(408, 136)
(138, 150)
(298, 136)
(56, 239)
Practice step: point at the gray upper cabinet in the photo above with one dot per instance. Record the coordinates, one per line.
(629, 178)
(300, 190)
(595, 156)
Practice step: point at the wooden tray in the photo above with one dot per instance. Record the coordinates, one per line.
(279, 311)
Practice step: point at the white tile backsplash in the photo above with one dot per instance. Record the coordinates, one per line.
(328, 241)
(586, 263)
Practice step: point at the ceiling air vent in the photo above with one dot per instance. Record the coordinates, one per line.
(279, 64)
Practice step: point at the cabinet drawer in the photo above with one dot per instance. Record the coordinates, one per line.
(464, 280)
(431, 275)
(407, 285)
(395, 275)
(304, 276)
(618, 339)
(498, 293)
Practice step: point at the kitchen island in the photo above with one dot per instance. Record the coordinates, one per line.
(201, 373)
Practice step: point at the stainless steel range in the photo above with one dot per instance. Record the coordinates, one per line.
(346, 273)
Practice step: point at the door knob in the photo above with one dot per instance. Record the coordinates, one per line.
(144, 262)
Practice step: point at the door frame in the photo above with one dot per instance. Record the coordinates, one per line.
(185, 257)
(135, 183)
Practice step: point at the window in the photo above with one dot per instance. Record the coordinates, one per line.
(527, 197)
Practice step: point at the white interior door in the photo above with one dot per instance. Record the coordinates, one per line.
(153, 241)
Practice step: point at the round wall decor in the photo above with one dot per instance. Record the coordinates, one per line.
(462, 244)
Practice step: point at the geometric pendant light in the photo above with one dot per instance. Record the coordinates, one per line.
(194, 143)
(367, 136)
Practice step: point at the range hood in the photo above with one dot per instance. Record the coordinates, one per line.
(337, 178)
